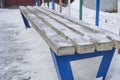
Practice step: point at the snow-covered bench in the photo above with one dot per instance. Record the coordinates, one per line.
(71, 39)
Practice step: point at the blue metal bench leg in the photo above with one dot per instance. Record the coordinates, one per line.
(105, 64)
(25, 21)
(63, 68)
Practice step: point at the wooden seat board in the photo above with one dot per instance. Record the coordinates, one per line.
(114, 37)
(59, 44)
(82, 44)
(100, 40)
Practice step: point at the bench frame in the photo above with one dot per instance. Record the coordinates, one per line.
(26, 22)
(62, 63)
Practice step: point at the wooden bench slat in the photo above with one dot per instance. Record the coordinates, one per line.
(81, 44)
(100, 40)
(82, 38)
(60, 45)
(114, 37)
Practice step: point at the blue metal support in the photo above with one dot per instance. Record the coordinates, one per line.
(25, 21)
(53, 4)
(97, 12)
(63, 68)
(36, 2)
(105, 64)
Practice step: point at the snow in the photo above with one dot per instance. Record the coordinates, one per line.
(20, 50)
(85, 70)
(25, 56)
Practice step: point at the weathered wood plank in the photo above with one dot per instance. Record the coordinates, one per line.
(100, 40)
(114, 37)
(80, 34)
(81, 44)
(22, 10)
(60, 45)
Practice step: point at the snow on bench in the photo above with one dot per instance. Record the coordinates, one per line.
(59, 44)
(82, 45)
(101, 41)
(114, 37)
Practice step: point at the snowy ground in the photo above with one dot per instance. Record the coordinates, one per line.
(25, 56)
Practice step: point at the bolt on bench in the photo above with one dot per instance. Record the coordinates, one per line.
(70, 39)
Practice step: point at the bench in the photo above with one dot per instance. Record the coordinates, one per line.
(70, 39)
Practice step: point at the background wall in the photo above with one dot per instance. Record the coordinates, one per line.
(9, 3)
(106, 5)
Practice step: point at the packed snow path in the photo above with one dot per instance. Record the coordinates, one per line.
(19, 57)
(11, 48)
